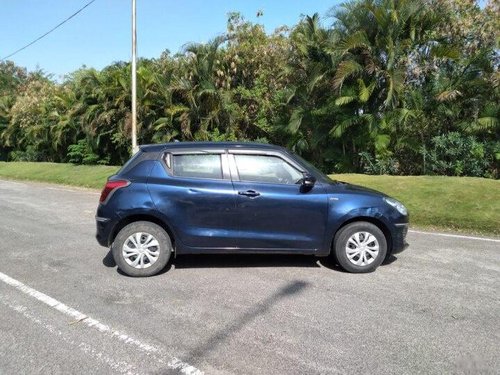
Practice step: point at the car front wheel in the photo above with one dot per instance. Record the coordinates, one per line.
(141, 248)
(360, 247)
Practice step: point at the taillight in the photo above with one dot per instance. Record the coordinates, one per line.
(112, 186)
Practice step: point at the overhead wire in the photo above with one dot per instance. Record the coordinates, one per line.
(48, 32)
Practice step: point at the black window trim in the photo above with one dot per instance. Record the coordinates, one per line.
(279, 154)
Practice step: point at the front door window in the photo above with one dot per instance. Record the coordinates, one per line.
(266, 169)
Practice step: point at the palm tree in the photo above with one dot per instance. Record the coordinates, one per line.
(377, 41)
(311, 105)
(202, 106)
(376, 38)
(103, 110)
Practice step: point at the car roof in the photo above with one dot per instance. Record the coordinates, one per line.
(209, 145)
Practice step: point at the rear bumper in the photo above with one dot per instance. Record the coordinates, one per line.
(399, 238)
(103, 230)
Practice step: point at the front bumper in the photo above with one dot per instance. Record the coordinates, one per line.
(399, 238)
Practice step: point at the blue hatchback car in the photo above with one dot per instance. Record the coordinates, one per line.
(194, 197)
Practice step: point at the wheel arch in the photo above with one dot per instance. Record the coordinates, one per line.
(141, 217)
(373, 220)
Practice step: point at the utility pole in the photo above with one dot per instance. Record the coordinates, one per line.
(135, 148)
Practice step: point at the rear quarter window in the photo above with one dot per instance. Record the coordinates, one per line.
(138, 158)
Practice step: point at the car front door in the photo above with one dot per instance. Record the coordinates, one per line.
(273, 212)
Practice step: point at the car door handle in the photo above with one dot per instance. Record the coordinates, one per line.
(249, 193)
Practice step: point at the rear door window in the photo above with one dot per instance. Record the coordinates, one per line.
(197, 166)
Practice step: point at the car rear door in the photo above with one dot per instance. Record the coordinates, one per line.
(272, 211)
(192, 189)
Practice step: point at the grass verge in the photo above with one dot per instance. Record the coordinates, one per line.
(463, 204)
(92, 176)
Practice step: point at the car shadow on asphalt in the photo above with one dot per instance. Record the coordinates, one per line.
(187, 261)
(108, 260)
(243, 261)
(389, 260)
(232, 260)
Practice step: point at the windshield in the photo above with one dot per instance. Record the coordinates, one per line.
(318, 174)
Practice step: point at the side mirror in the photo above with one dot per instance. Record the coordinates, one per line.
(308, 181)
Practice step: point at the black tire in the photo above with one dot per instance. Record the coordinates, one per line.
(341, 241)
(147, 228)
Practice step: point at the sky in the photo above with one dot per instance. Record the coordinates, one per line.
(100, 34)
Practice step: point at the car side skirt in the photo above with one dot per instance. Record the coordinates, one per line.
(183, 249)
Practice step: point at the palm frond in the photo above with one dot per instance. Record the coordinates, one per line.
(346, 69)
(343, 100)
(295, 120)
(365, 91)
(448, 95)
(338, 130)
(353, 41)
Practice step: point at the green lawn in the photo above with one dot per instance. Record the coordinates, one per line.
(463, 204)
(68, 174)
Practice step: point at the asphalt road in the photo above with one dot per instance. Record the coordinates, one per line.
(434, 309)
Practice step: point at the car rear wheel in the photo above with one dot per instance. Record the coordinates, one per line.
(360, 247)
(141, 248)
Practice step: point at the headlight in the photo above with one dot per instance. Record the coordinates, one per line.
(397, 205)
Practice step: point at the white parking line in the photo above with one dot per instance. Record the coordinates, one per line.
(455, 236)
(174, 363)
(119, 366)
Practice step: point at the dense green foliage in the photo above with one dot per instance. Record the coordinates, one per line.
(381, 86)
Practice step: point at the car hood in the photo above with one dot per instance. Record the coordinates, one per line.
(344, 187)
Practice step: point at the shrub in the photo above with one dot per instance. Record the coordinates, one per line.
(454, 154)
(30, 154)
(386, 165)
(81, 153)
